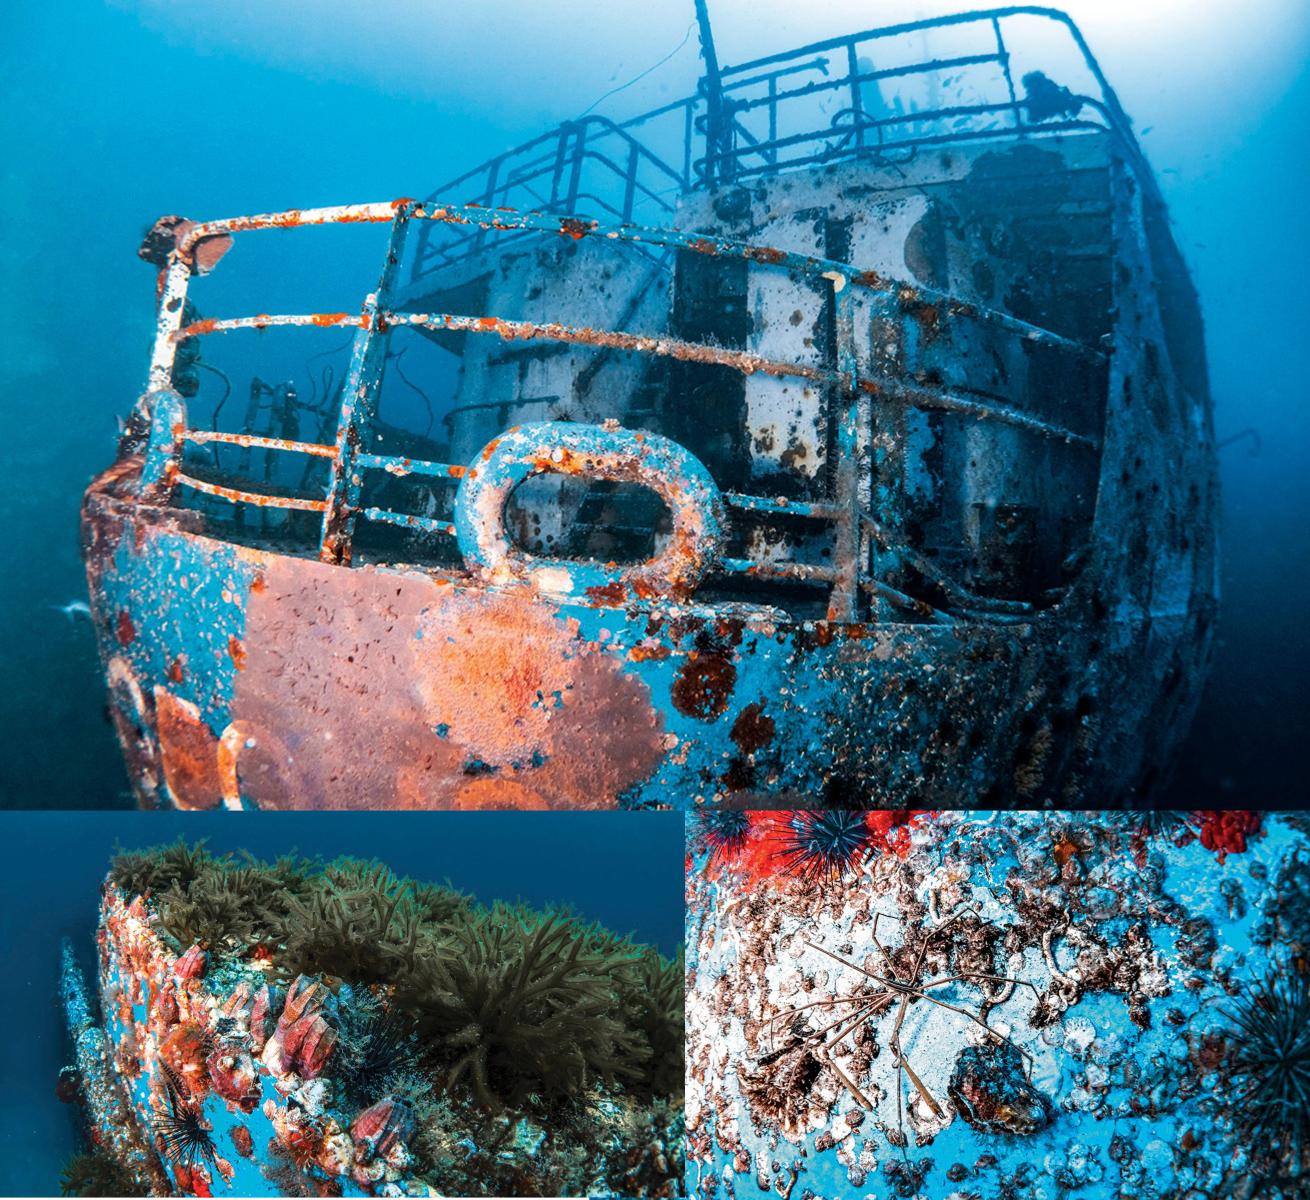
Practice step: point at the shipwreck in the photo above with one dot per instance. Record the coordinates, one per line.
(837, 435)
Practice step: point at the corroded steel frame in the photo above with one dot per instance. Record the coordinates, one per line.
(854, 570)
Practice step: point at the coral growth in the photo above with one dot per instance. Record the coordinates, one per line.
(95, 1174)
(409, 1032)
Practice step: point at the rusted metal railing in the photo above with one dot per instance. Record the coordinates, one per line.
(859, 500)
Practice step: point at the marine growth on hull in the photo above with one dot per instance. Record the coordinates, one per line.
(1017, 1005)
(866, 454)
(301, 1028)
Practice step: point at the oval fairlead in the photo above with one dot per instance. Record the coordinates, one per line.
(676, 475)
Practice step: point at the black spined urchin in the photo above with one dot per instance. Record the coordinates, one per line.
(1268, 1065)
(185, 1137)
(722, 832)
(377, 1052)
(821, 846)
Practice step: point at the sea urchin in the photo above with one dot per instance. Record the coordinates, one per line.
(722, 831)
(1269, 1064)
(185, 1137)
(821, 845)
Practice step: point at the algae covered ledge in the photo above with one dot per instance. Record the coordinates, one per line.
(310, 1028)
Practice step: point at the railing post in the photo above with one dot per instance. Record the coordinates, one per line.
(1003, 55)
(163, 456)
(358, 397)
(842, 603)
(575, 167)
(168, 320)
(857, 98)
(630, 183)
(885, 439)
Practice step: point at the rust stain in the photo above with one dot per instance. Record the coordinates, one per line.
(472, 697)
(704, 685)
(237, 652)
(124, 629)
(188, 752)
(649, 651)
(609, 593)
(753, 729)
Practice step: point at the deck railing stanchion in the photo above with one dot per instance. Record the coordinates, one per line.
(846, 528)
(358, 397)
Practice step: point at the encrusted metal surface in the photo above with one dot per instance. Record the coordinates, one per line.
(933, 443)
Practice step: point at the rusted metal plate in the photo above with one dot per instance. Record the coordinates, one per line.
(322, 686)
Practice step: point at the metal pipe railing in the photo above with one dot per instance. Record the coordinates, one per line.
(856, 551)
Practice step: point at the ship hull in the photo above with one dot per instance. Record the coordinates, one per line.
(253, 679)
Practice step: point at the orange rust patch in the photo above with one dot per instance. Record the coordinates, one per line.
(328, 320)
(237, 652)
(467, 691)
(188, 752)
(609, 593)
(175, 672)
(257, 584)
(499, 794)
(704, 685)
(1063, 851)
(124, 629)
(753, 729)
(649, 652)
(502, 671)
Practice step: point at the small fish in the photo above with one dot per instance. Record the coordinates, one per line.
(74, 609)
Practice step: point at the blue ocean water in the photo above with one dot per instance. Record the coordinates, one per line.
(624, 870)
(112, 113)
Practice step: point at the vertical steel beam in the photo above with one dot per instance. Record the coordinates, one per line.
(888, 332)
(857, 100)
(846, 528)
(358, 398)
(1003, 57)
(719, 165)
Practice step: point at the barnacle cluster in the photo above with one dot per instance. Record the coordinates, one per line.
(461, 1028)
